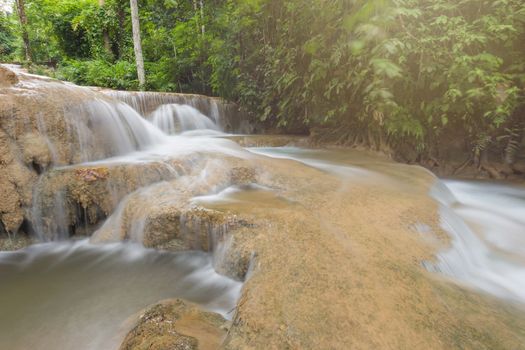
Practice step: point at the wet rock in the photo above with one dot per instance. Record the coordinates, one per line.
(35, 151)
(236, 252)
(88, 194)
(269, 140)
(7, 77)
(15, 184)
(17, 242)
(34, 133)
(243, 175)
(175, 325)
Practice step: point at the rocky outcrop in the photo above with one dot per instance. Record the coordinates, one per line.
(34, 133)
(176, 325)
(7, 77)
(48, 128)
(15, 184)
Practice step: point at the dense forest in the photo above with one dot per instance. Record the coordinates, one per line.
(388, 74)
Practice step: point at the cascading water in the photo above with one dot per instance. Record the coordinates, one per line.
(78, 295)
(89, 289)
(175, 119)
(486, 223)
(147, 102)
(75, 295)
(108, 128)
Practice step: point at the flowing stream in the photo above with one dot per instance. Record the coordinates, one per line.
(485, 220)
(486, 223)
(79, 295)
(76, 295)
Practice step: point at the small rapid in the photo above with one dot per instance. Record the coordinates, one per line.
(486, 224)
(485, 221)
(176, 119)
(77, 295)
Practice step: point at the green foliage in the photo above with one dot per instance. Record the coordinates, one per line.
(408, 71)
(7, 37)
(118, 75)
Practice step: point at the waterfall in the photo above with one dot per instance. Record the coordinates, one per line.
(81, 162)
(176, 118)
(108, 128)
(485, 223)
(225, 115)
(146, 102)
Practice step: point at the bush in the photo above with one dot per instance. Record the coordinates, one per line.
(120, 75)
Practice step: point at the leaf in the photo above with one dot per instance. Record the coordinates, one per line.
(385, 67)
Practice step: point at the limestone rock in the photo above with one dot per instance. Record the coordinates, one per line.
(35, 151)
(7, 77)
(175, 325)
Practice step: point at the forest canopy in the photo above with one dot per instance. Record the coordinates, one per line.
(382, 72)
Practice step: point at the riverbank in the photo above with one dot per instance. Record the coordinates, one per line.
(456, 166)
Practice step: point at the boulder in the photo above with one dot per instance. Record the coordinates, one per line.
(7, 77)
(176, 325)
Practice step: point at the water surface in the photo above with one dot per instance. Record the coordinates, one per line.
(80, 296)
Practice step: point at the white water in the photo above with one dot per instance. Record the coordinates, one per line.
(317, 159)
(109, 128)
(486, 223)
(79, 296)
(146, 102)
(49, 292)
(175, 119)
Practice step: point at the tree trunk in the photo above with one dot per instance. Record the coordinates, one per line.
(121, 16)
(202, 16)
(105, 34)
(196, 16)
(136, 43)
(23, 25)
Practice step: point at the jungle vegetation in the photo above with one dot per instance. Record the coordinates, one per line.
(386, 73)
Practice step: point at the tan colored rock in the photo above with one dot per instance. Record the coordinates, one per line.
(35, 150)
(7, 77)
(270, 140)
(176, 325)
(243, 175)
(15, 185)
